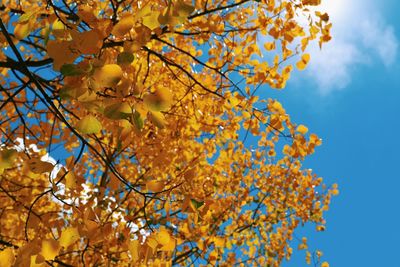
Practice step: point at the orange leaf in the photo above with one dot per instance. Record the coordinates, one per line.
(123, 26)
(305, 58)
(37, 166)
(70, 180)
(22, 30)
(154, 186)
(68, 53)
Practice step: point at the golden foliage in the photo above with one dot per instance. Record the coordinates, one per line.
(149, 107)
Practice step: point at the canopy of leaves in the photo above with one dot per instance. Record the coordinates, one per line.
(151, 106)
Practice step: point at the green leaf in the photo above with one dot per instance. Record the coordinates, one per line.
(137, 120)
(26, 16)
(71, 70)
(67, 92)
(7, 158)
(184, 9)
(197, 204)
(89, 125)
(125, 58)
(118, 111)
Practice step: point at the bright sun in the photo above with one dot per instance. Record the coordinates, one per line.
(336, 9)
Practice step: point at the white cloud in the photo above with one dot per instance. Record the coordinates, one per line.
(330, 68)
(360, 36)
(380, 38)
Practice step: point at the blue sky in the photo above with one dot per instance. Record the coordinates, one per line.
(350, 97)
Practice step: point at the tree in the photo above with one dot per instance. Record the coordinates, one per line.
(165, 153)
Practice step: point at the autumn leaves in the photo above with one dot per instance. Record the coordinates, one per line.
(90, 77)
(149, 102)
(152, 104)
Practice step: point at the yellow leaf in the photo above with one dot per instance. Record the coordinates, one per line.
(22, 30)
(269, 46)
(219, 242)
(308, 257)
(151, 242)
(151, 21)
(160, 100)
(304, 43)
(153, 102)
(89, 125)
(154, 186)
(302, 129)
(58, 28)
(157, 118)
(335, 192)
(314, 139)
(325, 264)
(123, 26)
(50, 249)
(305, 58)
(277, 107)
(165, 240)
(69, 236)
(163, 237)
(170, 246)
(234, 100)
(200, 244)
(108, 75)
(213, 256)
(7, 257)
(175, 15)
(70, 180)
(134, 250)
(87, 98)
(145, 11)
